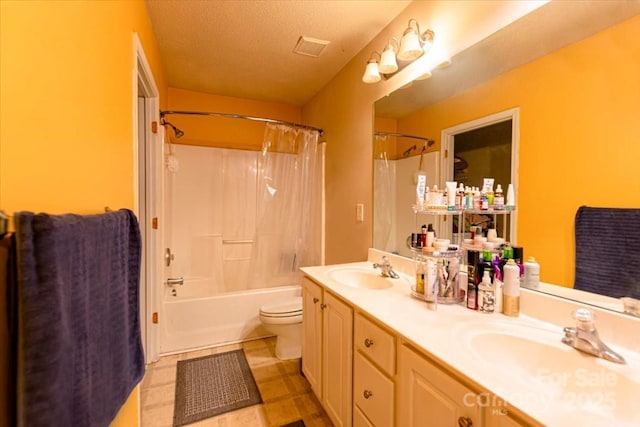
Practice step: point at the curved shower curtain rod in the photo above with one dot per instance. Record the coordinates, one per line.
(240, 116)
(428, 141)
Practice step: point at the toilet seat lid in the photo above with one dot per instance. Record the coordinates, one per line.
(286, 308)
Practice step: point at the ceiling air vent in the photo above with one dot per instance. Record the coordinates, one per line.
(310, 46)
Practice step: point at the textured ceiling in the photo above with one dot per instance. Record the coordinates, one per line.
(245, 48)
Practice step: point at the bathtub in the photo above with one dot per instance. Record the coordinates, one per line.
(188, 322)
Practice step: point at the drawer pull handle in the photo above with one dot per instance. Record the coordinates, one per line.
(465, 422)
(367, 394)
(323, 306)
(315, 300)
(368, 343)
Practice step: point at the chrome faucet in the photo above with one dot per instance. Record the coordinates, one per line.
(584, 337)
(385, 268)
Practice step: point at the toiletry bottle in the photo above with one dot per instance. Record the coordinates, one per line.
(511, 290)
(468, 198)
(485, 264)
(498, 199)
(431, 235)
(507, 254)
(492, 234)
(486, 296)
(423, 235)
(532, 273)
(518, 257)
(427, 197)
(463, 281)
(473, 260)
(484, 201)
(420, 278)
(433, 196)
(497, 285)
(420, 190)
(450, 198)
(459, 205)
(476, 198)
(430, 281)
(510, 203)
(490, 198)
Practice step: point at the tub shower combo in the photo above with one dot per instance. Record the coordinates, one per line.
(240, 224)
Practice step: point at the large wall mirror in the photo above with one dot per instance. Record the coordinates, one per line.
(570, 70)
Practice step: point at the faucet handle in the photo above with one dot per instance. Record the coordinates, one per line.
(585, 319)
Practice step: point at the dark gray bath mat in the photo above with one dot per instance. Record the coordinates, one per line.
(212, 385)
(298, 423)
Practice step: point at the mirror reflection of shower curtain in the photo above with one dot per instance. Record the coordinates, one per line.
(383, 197)
(287, 206)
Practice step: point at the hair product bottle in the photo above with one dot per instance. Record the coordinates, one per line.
(511, 290)
(532, 273)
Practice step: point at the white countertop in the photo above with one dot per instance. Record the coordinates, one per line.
(446, 334)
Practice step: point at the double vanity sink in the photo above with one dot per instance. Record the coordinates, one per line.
(522, 360)
(365, 277)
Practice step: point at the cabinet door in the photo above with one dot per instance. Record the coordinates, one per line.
(359, 420)
(337, 352)
(312, 335)
(428, 396)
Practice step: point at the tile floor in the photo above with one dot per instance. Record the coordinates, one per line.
(286, 394)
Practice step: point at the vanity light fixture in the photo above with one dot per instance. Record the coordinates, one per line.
(412, 45)
(388, 62)
(372, 71)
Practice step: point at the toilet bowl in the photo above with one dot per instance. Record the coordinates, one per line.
(284, 319)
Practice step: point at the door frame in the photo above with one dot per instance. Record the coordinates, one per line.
(447, 146)
(147, 137)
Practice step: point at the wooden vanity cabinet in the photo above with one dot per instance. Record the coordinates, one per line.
(429, 396)
(364, 375)
(327, 350)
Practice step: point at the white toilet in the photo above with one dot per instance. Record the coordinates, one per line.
(284, 319)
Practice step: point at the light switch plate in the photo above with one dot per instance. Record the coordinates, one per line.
(360, 212)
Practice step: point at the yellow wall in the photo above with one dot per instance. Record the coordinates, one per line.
(579, 137)
(224, 132)
(66, 108)
(66, 138)
(344, 109)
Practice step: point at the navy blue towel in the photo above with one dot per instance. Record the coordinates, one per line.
(80, 351)
(608, 251)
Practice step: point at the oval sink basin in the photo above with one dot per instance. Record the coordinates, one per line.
(364, 278)
(551, 371)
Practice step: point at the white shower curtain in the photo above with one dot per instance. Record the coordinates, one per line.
(287, 206)
(383, 197)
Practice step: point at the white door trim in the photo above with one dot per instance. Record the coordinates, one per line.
(144, 86)
(447, 146)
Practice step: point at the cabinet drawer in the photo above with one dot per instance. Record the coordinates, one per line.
(376, 343)
(372, 392)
